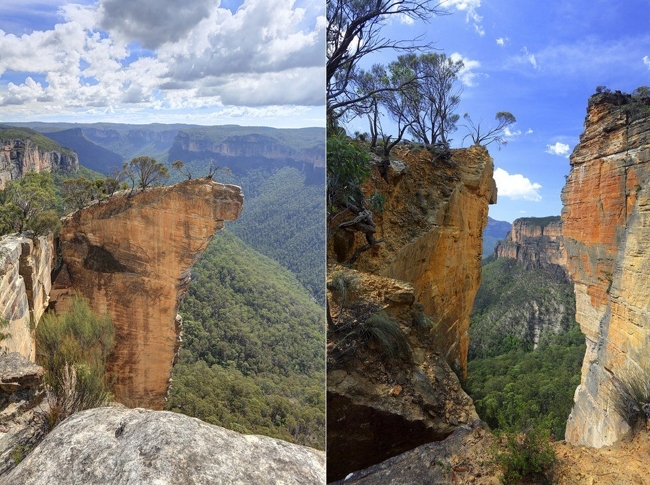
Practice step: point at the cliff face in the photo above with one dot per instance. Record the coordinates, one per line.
(536, 242)
(423, 275)
(606, 222)
(252, 145)
(25, 267)
(20, 156)
(131, 257)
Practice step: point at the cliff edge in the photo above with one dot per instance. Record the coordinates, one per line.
(606, 222)
(131, 256)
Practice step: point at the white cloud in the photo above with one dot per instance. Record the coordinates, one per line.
(267, 53)
(529, 57)
(511, 134)
(529, 131)
(502, 41)
(646, 61)
(466, 75)
(468, 6)
(561, 149)
(516, 186)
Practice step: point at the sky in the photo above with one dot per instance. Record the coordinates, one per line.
(250, 62)
(540, 61)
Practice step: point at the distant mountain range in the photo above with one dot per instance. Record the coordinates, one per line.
(494, 231)
(102, 146)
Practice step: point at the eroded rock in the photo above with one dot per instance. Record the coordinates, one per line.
(138, 446)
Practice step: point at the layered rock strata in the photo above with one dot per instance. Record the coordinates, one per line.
(606, 222)
(25, 268)
(434, 212)
(423, 275)
(19, 156)
(379, 407)
(133, 446)
(536, 242)
(131, 257)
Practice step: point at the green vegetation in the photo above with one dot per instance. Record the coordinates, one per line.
(73, 348)
(284, 218)
(295, 139)
(513, 386)
(27, 204)
(348, 165)
(145, 172)
(44, 143)
(528, 457)
(631, 396)
(253, 355)
(540, 221)
(515, 307)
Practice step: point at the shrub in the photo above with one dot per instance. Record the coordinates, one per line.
(73, 348)
(528, 456)
(348, 165)
(631, 396)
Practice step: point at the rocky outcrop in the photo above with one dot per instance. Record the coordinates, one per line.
(20, 392)
(25, 268)
(536, 242)
(423, 275)
(20, 155)
(135, 446)
(432, 224)
(606, 224)
(131, 256)
(464, 457)
(379, 407)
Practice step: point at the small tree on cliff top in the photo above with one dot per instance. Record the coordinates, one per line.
(145, 171)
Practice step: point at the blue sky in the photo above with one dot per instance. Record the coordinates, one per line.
(540, 61)
(247, 62)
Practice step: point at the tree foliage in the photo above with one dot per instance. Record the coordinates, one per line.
(252, 357)
(480, 135)
(354, 30)
(25, 198)
(145, 172)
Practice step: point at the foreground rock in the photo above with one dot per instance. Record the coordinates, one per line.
(131, 258)
(606, 225)
(22, 426)
(138, 446)
(464, 457)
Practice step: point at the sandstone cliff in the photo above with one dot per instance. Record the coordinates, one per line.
(423, 276)
(605, 227)
(19, 155)
(25, 267)
(138, 446)
(131, 257)
(536, 242)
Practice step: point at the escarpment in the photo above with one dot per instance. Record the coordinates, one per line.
(21, 155)
(131, 256)
(420, 278)
(536, 242)
(606, 222)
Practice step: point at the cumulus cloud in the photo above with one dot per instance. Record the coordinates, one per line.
(516, 186)
(646, 61)
(469, 7)
(511, 134)
(561, 149)
(466, 75)
(197, 54)
(529, 131)
(502, 41)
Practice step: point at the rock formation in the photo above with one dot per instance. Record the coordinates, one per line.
(135, 446)
(605, 227)
(21, 155)
(423, 275)
(536, 242)
(25, 267)
(131, 256)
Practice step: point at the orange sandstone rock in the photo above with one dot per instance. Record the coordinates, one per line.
(606, 225)
(131, 257)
